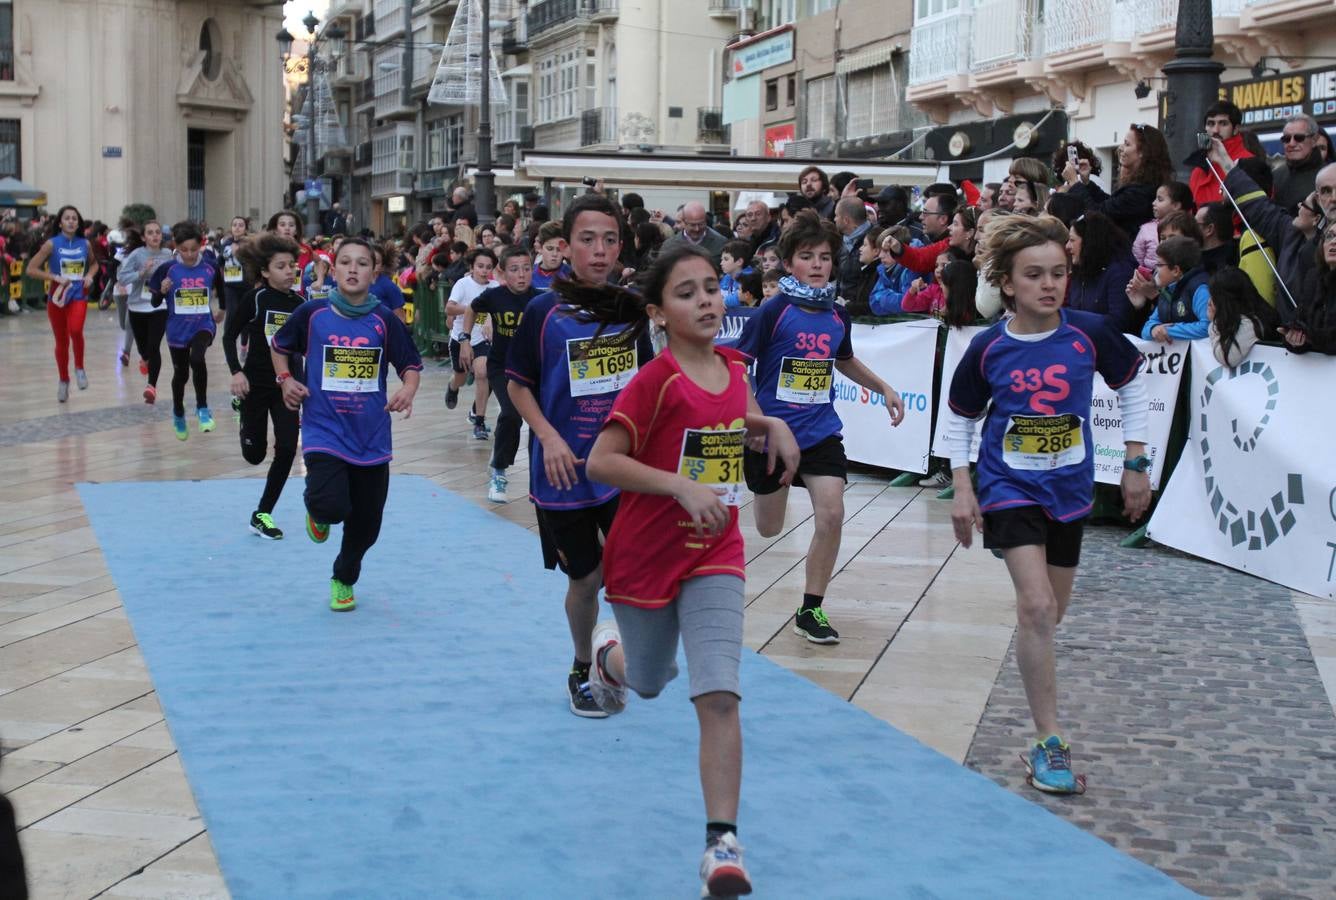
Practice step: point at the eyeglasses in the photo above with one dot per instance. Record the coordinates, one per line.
(1292, 138)
(1142, 126)
(1312, 208)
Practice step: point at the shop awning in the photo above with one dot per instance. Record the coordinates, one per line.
(14, 193)
(627, 171)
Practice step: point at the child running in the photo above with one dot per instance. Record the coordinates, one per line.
(346, 340)
(70, 274)
(257, 316)
(1036, 463)
(481, 264)
(798, 340)
(674, 559)
(191, 286)
(551, 254)
(564, 374)
(503, 306)
(148, 324)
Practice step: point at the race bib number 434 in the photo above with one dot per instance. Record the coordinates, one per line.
(714, 458)
(1040, 443)
(804, 380)
(351, 370)
(600, 365)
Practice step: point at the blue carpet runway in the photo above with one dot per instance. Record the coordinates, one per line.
(420, 746)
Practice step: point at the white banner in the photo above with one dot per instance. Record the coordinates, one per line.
(1255, 489)
(1162, 370)
(902, 355)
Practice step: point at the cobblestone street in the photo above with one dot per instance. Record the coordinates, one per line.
(1193, 703)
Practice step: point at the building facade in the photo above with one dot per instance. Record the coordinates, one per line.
(643, 76)
(993, 73)
(816, 78)
(174, 103)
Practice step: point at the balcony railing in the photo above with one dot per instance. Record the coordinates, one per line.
(1072, 24)
(598, 126)
(1003, 32)
(362, 155)
(725, 7)
(939, 49)
(388, 183)
(551, 13)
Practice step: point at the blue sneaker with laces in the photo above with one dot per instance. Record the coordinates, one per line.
(179, 426)
(1050, 764)
(206, 423)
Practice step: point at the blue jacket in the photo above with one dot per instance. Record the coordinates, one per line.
(890, 289)
(1183, 323)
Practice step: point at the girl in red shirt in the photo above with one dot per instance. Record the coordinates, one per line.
(673, 562)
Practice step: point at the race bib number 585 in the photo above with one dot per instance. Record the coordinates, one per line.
(600, 365)
(351, 370)
(714, 458)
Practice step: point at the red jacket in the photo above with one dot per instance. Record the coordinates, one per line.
(923, 259)
(1205, 189)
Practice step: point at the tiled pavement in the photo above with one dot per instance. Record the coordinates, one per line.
(106, 810)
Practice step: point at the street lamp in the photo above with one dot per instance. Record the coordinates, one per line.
(334, 33)
(1194, 80)
(485, 179)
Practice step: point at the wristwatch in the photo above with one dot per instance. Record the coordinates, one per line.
(284, 376)
(1137, 463)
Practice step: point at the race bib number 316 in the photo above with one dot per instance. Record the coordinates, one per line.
(806, 381)
(351, 370)
(714, 458)
(600, 365)
(1041, 443)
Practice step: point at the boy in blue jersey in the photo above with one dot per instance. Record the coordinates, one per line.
(563, 381)
(550, 254)
(733, 262)
(800, 337)
(1033, 374)
(347, 340)
(191, 286)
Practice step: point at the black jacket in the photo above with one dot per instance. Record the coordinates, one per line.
(1317, 312)
(1294, 183)
(1295, 254)
(1128, 207)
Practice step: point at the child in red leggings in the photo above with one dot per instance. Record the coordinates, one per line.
(66, 262)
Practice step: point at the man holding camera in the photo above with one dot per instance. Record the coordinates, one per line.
(1221, 123)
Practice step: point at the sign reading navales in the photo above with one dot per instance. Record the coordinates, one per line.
(1276, 98)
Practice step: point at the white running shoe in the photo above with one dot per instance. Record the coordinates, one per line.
(722, 871)
(938, 479)
(63, 391)
(81, 377)
(496, 490)
(611, 698)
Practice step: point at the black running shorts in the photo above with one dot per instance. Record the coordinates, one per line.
(826, 457)
(573, 538)
(1023, 526)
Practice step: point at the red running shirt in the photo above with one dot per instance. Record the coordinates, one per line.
(678, 426)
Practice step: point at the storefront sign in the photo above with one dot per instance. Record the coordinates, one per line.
(777, 136)
(772, 51)
(111, 152)
(1276, 98)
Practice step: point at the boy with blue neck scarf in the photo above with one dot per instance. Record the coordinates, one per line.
(345, 408)
(799, 339)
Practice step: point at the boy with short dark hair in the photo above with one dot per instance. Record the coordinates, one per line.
(1181, 310)
(550, 252)
(734, 261)
(770, 283)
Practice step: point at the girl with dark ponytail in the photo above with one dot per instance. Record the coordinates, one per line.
(673, 562)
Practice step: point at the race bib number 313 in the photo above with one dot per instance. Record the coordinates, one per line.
(1041, 443)
(600, 365)
(714, 458)
(805, 381)
(351, 370)
(192, 301)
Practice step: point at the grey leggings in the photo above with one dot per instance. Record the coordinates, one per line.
(708, 616)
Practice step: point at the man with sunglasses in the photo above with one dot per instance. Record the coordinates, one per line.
(1295, 176)
(1222, 124)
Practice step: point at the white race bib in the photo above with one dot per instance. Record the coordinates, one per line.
(351, 370)
(714, 458)
(600, 365)
(232, 272)
(192, 301)
(1042, 443)
(273, 321)
(806, 381)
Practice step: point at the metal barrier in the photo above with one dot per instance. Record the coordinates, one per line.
(429, 318)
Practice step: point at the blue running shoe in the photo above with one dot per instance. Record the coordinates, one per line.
(205, 419)
(1050, 765)
(179, 426)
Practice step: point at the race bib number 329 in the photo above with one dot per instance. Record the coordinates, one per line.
(351, 370)
(714, 458)
(600, 365)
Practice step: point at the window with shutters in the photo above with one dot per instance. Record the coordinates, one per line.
(870, 106)
(820, 119)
